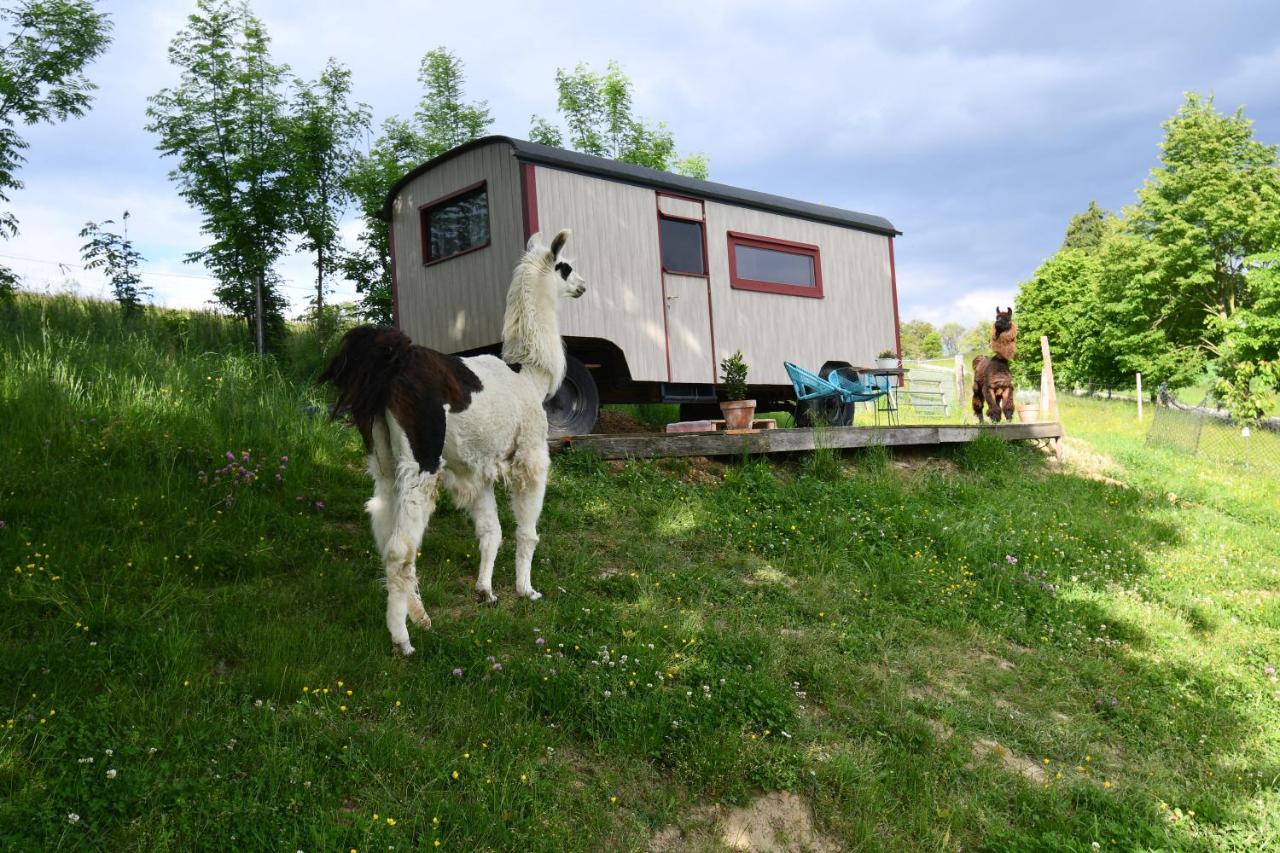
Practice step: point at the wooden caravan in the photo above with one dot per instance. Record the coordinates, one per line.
(680, 273)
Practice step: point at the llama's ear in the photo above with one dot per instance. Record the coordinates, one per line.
(558, 242)
(534, 239)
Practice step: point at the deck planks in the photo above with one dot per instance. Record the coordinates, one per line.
(656, 445)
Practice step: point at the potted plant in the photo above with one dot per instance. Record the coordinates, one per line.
(738, 411)
(887, 359)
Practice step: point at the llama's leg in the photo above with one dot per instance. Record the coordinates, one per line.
(484, 513)
(977, 403)
(381, 507)
(1006, 403)
(527, 494)
(993, 404)
(415, 496)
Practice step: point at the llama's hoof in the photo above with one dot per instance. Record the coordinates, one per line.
(530, 593)
(401, 649)
(486, 596)
(422, 620)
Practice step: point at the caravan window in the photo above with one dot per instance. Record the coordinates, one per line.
(774, 266)
(682, 246)
(455, 224)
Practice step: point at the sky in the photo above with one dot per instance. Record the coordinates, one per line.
(977, 128)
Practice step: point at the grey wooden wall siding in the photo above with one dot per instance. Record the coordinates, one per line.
(615, 247)
(852, 322)
(458, 303)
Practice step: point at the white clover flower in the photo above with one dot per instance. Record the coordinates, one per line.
(73, 818)
(111, 774)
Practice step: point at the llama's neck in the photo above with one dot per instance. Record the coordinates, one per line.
(530, 330)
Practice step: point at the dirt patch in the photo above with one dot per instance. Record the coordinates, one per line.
(617, 423)
(941, 731)
(1081, 459)
(996, 661)
(905, 459)
(1025, 767)
(778, 822)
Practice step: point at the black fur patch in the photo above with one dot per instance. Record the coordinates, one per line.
(564, 270)
(378, 368)
(515, 368)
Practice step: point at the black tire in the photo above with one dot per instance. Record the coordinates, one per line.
(828, 411)
(573, 409)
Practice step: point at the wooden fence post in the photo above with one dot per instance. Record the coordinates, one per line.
(1139, 398)
(959, 371)
(1048, 391)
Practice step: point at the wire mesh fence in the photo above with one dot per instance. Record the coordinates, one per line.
(1212, 435)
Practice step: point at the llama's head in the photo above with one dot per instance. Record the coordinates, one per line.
(1004, 319)
(562, 277)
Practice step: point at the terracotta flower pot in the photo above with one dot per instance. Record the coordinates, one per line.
(1029, 414)
(738, 414)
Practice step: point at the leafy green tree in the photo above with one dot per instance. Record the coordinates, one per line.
(442, 121)
(115, 255)
(443, 117)
(323, 132)
(977, 339)
(1249, 352)
(1179, 268)
(226, 124)
(1086, 230)
(46, 46)
(920, 340)
(1061, 302)
(949, 334)
(597, 111)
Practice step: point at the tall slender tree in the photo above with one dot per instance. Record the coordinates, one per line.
(116, 256)
(324, 128)
(226, 124)
(46, 46)
(597, 109)
(444, 119)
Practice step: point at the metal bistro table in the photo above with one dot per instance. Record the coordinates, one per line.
(889, 380)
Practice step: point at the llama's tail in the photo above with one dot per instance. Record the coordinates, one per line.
(362, 371)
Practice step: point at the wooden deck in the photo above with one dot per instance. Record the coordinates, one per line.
(653, 445)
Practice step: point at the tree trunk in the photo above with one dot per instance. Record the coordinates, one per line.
(257, 322)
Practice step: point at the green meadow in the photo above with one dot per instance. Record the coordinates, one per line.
(980, 649)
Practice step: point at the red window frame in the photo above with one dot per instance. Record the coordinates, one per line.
(424, 228)
(773, 244)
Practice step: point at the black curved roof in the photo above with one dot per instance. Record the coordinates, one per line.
(627, 173)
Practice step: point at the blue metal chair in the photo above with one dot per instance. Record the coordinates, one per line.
(837, 384)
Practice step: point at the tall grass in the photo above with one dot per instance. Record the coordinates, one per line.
(857, 632)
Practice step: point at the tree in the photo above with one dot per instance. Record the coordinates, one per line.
(323, 131)
(950, 334)
(1086, 230)
(1179, 268)
(1249, 355)
(442, 121)
(920, 340)
(226, 124)
(1061, 301)
(115, 255)
(443, 117)
(597, 111)
(977, 339)
(42, 61)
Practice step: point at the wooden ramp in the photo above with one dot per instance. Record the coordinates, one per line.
(654, 445)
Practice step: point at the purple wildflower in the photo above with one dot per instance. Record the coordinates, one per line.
(497, 667)
(231, 457)
(284, 458)
(1010, 559)
(540, 641)
(1269, 671)
(319, 504)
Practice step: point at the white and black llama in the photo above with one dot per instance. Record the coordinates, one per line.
(427, 417)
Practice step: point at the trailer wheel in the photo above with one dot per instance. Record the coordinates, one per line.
(828, 411)
(573, 409)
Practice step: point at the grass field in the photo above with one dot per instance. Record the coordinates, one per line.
(973, 651)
